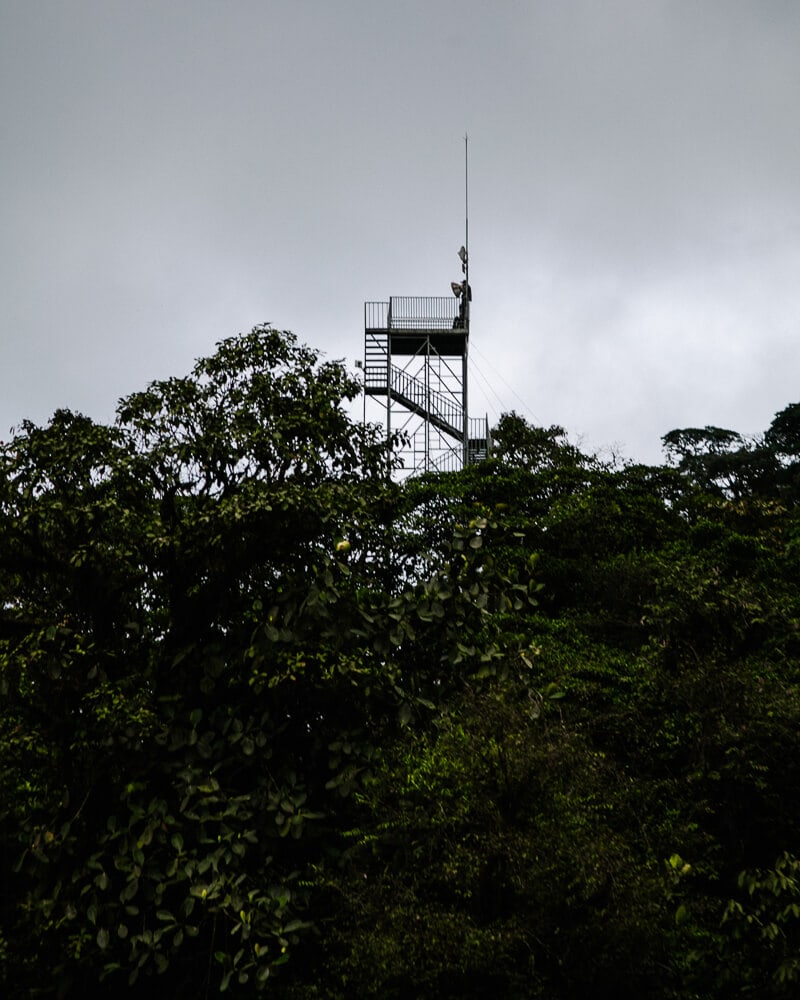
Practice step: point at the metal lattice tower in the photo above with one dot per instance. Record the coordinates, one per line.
(415, 367)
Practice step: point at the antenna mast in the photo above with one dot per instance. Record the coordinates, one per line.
(466, 296)
(466, 206)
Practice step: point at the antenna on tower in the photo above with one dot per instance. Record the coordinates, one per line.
(463, 253)
(466, 205)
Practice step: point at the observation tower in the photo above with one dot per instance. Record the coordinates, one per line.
(416, 369)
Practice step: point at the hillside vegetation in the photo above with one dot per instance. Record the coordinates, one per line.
(272, 723)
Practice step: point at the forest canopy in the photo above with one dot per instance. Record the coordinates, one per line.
(274, 723)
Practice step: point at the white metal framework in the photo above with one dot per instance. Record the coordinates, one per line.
(415, 369)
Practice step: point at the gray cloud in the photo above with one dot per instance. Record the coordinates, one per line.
(174, 173)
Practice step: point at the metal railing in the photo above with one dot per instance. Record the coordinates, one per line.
(376, 315)
(478, 444)
(410, 313)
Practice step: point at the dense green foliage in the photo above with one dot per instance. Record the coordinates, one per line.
(272, 723)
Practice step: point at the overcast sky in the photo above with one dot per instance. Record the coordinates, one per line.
(176, 171)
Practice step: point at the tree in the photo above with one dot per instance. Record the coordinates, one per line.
(667, 627)
(272, 722)
(200, 657)
(518, 444)
(489, 860)
(783, 434)
(782, 439)
(722, 461)
(137, 561)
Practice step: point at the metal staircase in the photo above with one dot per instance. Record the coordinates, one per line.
(442, 411)
(376, 361)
